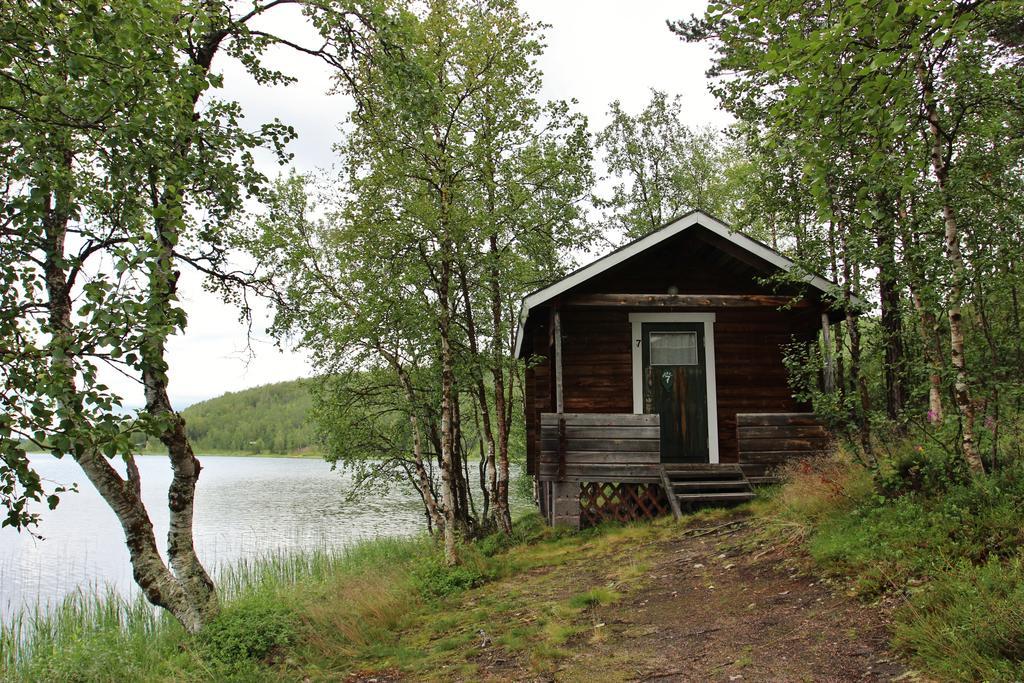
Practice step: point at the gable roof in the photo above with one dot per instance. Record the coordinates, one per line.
(628, 251)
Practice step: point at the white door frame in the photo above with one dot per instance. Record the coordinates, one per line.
(637, 320)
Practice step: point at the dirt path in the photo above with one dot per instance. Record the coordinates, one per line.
(721, 607)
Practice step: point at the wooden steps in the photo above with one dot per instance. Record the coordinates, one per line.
(697, 486)
(691, 484)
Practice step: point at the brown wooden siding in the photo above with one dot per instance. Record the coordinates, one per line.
(749, 370)
(597, 363)
(768, 440)
(599, 447)
(695, 261)
(538, 393)
(598, 371)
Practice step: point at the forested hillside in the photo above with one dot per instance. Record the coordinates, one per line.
(272, 418)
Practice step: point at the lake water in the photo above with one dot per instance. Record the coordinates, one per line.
(244, 506)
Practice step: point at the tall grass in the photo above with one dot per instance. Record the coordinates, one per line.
(306, 613)
(99, 635)
(93, 634)
(947, 546)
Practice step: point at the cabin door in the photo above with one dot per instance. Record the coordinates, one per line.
(675, 386)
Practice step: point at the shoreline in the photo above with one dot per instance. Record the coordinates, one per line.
(236, 454)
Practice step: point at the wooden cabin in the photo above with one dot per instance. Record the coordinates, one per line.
(655, 376)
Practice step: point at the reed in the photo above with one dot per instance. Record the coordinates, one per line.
(97, 634)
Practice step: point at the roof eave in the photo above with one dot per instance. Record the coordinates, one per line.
(670, 229)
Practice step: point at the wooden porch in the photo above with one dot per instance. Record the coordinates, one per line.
(608, 466)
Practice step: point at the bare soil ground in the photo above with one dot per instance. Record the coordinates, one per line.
(719, 607)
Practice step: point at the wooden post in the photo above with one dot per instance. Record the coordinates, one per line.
(559, 407)
(565, 495)
(565, 504)
(829, 369)
(561, 446)
(559, 403)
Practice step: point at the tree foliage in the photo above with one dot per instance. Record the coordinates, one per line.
(273, 418)
(120, 166)
(904, 119)
(459, 193)
(664, 168)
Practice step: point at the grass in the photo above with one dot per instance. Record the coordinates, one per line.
(95, 636)
(947, 546)
(596, 596)
(539, 596)
(387, 604)
(100, 636)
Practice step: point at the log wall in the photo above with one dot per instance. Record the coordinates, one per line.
(596, 342)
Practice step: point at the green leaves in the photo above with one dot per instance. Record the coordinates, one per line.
(872, 120)
(664, 167)
(115, 162)
(458, 191)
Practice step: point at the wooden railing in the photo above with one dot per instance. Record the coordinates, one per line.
(599, 447)
(768, 440)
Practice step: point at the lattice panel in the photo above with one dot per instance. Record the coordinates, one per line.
(605, 501)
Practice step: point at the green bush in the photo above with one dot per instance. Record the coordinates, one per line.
(246, 634)
(948, 541)
(492, 544)
(926, 529)
(887, 541)
(435, 580)
(527, 529)
(916, 468)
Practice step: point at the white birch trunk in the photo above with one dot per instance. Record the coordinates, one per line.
(961, 388)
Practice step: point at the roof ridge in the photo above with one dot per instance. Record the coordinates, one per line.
(669, 229)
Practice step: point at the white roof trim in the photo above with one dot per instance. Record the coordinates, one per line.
(624, 253)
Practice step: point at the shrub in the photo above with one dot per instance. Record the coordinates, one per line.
(245, 634)
(888, 541)
(526, 530)
(529, 528)
(822, 486)
(435, 580)
(494, 543)
(921, 526)
(915, 468)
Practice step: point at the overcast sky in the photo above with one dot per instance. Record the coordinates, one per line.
(597, 51)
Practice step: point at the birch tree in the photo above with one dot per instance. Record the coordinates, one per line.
(121, 167)
(661, 167)
(905, 85)
(459, 191)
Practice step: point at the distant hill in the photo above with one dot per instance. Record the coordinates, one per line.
(273, 418)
